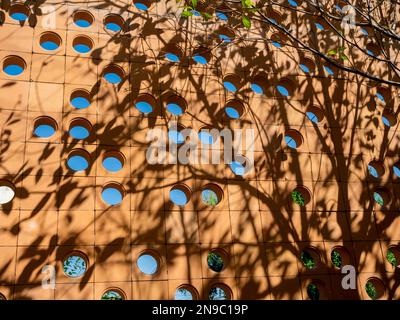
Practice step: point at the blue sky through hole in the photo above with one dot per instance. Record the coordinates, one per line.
(13, 70)
(113, 27)
(178, 197)
(82, 23)
(141, 6)
(291, 142)
(144, 107)
(112, 77)
(304, 68)
(200, 59)
(237, 168)
(44, 131)
(230, 86)
(221, 16)
(282, 90)
(183, 294)
(147, 264)
(174, 108)
(82, 48)
(112, 164)
(232, 112)
(80, 103)
(172, 57)
(49, 45)
(311, 116)
(396, 170)
(79, 132)
(19, 16)
(372, 171)
(77, 163)
(256, 88)
(111, 196)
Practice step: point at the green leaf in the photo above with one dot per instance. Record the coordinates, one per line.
(194, 3)
(206, 15)
(246, 22)
(186, 14)
(344, 57)
(332, 52)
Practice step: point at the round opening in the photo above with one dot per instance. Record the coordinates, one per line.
(393, 256)
(80, 128)
(113, 294)
(176, 105)
(113, 161)
(313, 291)
(274, 17)
(75, 265)
(147, 263)
(226, 35)
(234, 109)
(145, 103)
(19, 12)
(231, 82)
(113, 193)
(376, 169)
(201, 55)
(114, 23)
(340, 257)
(13, 65)
(381, 196)
(320, 24)
(211, 195)
(216, 260)
(220, 292)
(180, 194)
(307, 65)
(80, 99)
(373, 49)
(315, 114)
(7, 192)
(207, 136)
(310, 258)
(113, 74)
(259, 84)
(82, 44)
(293, 138)
(294, 3)
(329, 69)
(142, 5)
(374, 288)
(278, 40)
(173, 53)
(396, 169)
(83, 19)
(186, 292)
(175, 135)
(285, 87)
(389, 118)
(78, 160)
(44, 127)
(301, 196)
(50, 41)
(383, 94)
(240, 166)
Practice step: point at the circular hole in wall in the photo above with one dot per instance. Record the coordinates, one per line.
(176, 105)
(273, 16)
(383, 94)
(340, 257)
(231, 82)
(330, 69)
(217, 260)
(259, 84)
(13, 65)
(381, 196)
(173, 53)
(373, 49)
(315, 114)
(19, 12)
(222, 12)
(310, 258)
(142, 5)
(7, 192)
(293, 138)
(44, 127)
(113, 74)
(278, 40)
(307, 65)
(145, 103)
(220, 292)
(211, 194)
(285, 87)
(80, 128)
(295, 3)
(389, 118)
(83, 19)
(301, 196)
(50, 41)
(376, 168)
(148, 263)
(75, 264)
(234, 109)
(78, 160)
(313, 291)
(80, 99)
(113, 193)
(114, 23)
(393, 256)
(82, 44)
(240, 166)
(186, 292)
(374, 288)
(201, 55)
(175, 134)
(226, 34)
(113, 294)
(113, 161)
(396, 169)
(180, 194)
(320, 24)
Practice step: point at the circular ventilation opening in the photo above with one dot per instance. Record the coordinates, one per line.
(217, 260)
(7, 192)
(173, 53)
(82, 44)
(307, 65)
(180, 194)
(376, 169)
(148, 263)
(83, 19)
(13, 65)
(143, 5)
(175, 134)
(211, 195)
(330, 69)
(274, 17)
(383, 94)
(373, 49)
(201, 55)
(220, 292)
(389, 118)
(374, 288)
(186, 292)
(234, 109)
(293, 138)
(381, 196)
(278, 40)
(19, 12)
(50, 41)
(113, 193)
(145, 103)
(113, 74)
(75, 265)
(78, 160)
(114, 23)
(259, 84)
(315, 114)
(176, 105)
(44, 127)
(113, 161)
(313, 291)
(226, 34)
(393, 256)
(240, 166)
(310, 258)
(285, 87)
(80, 99)
(340, 257)
(113, 294)
(320, 24)
(294, 3)
(396, 169)
(301, 196)
(231, 82)
(80, 128)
